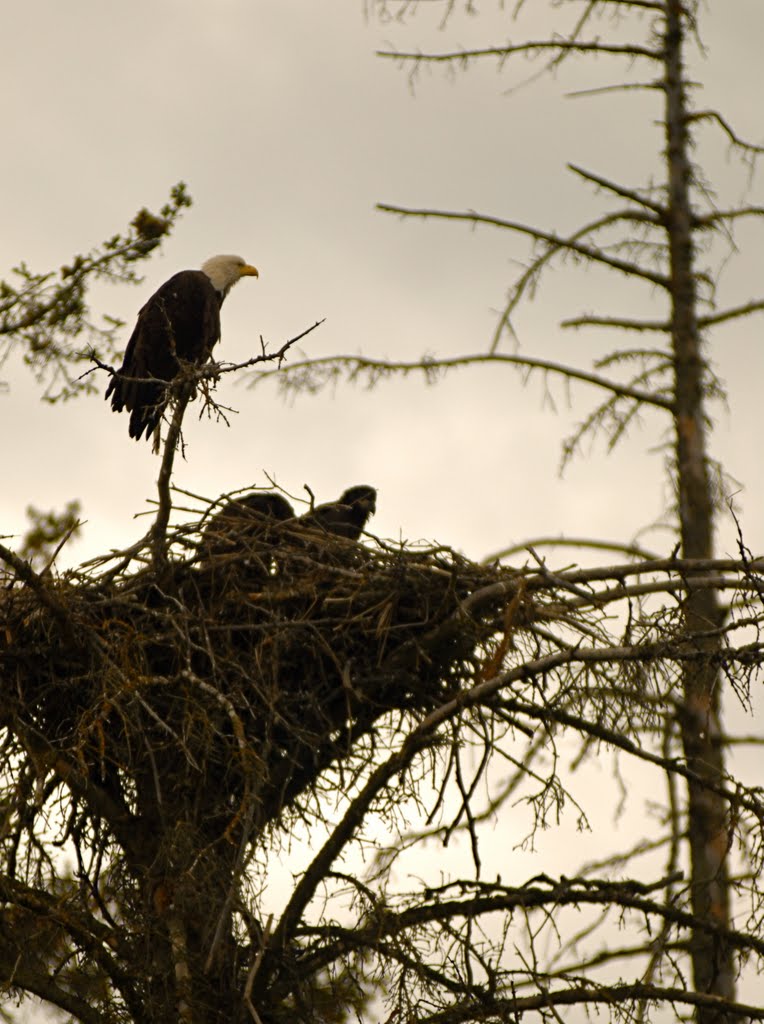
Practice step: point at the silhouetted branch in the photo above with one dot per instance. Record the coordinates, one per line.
(479, 900)
(620, 323)
(715, 116)
(588, 994)
(577, 542)
(731, 314)
(590, 253)
(620, 190)
(158, 531)
(46, 313)
(355, 366)
(533, 47)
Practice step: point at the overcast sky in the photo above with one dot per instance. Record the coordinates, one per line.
(287, 130)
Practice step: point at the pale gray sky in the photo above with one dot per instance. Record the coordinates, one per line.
(287, 130)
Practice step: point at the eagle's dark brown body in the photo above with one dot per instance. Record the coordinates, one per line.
(247, 516)
(180, 322)
(346, 517)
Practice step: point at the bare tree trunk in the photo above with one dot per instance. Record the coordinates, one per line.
(713, 967)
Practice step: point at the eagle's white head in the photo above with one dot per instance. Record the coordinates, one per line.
(225, 271)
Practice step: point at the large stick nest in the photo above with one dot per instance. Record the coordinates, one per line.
(246, 672)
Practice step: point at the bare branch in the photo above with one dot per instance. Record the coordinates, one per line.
(662, 326)
(589, 994)
(356, 365)
(533, 47)
(590, 253)
(158, 531)
(577, 542)
(480, 899)
(715, 116)
(397, 763)
(658, 209)
(731, 314)
(726, 216)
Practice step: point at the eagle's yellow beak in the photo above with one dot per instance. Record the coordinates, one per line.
(248, 271)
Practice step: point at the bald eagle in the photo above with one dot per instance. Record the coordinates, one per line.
(346, 517)
(179, 323)
(249, 516)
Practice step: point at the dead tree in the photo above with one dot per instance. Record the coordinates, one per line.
(172, 719)
(167, 727)
(653, 236)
